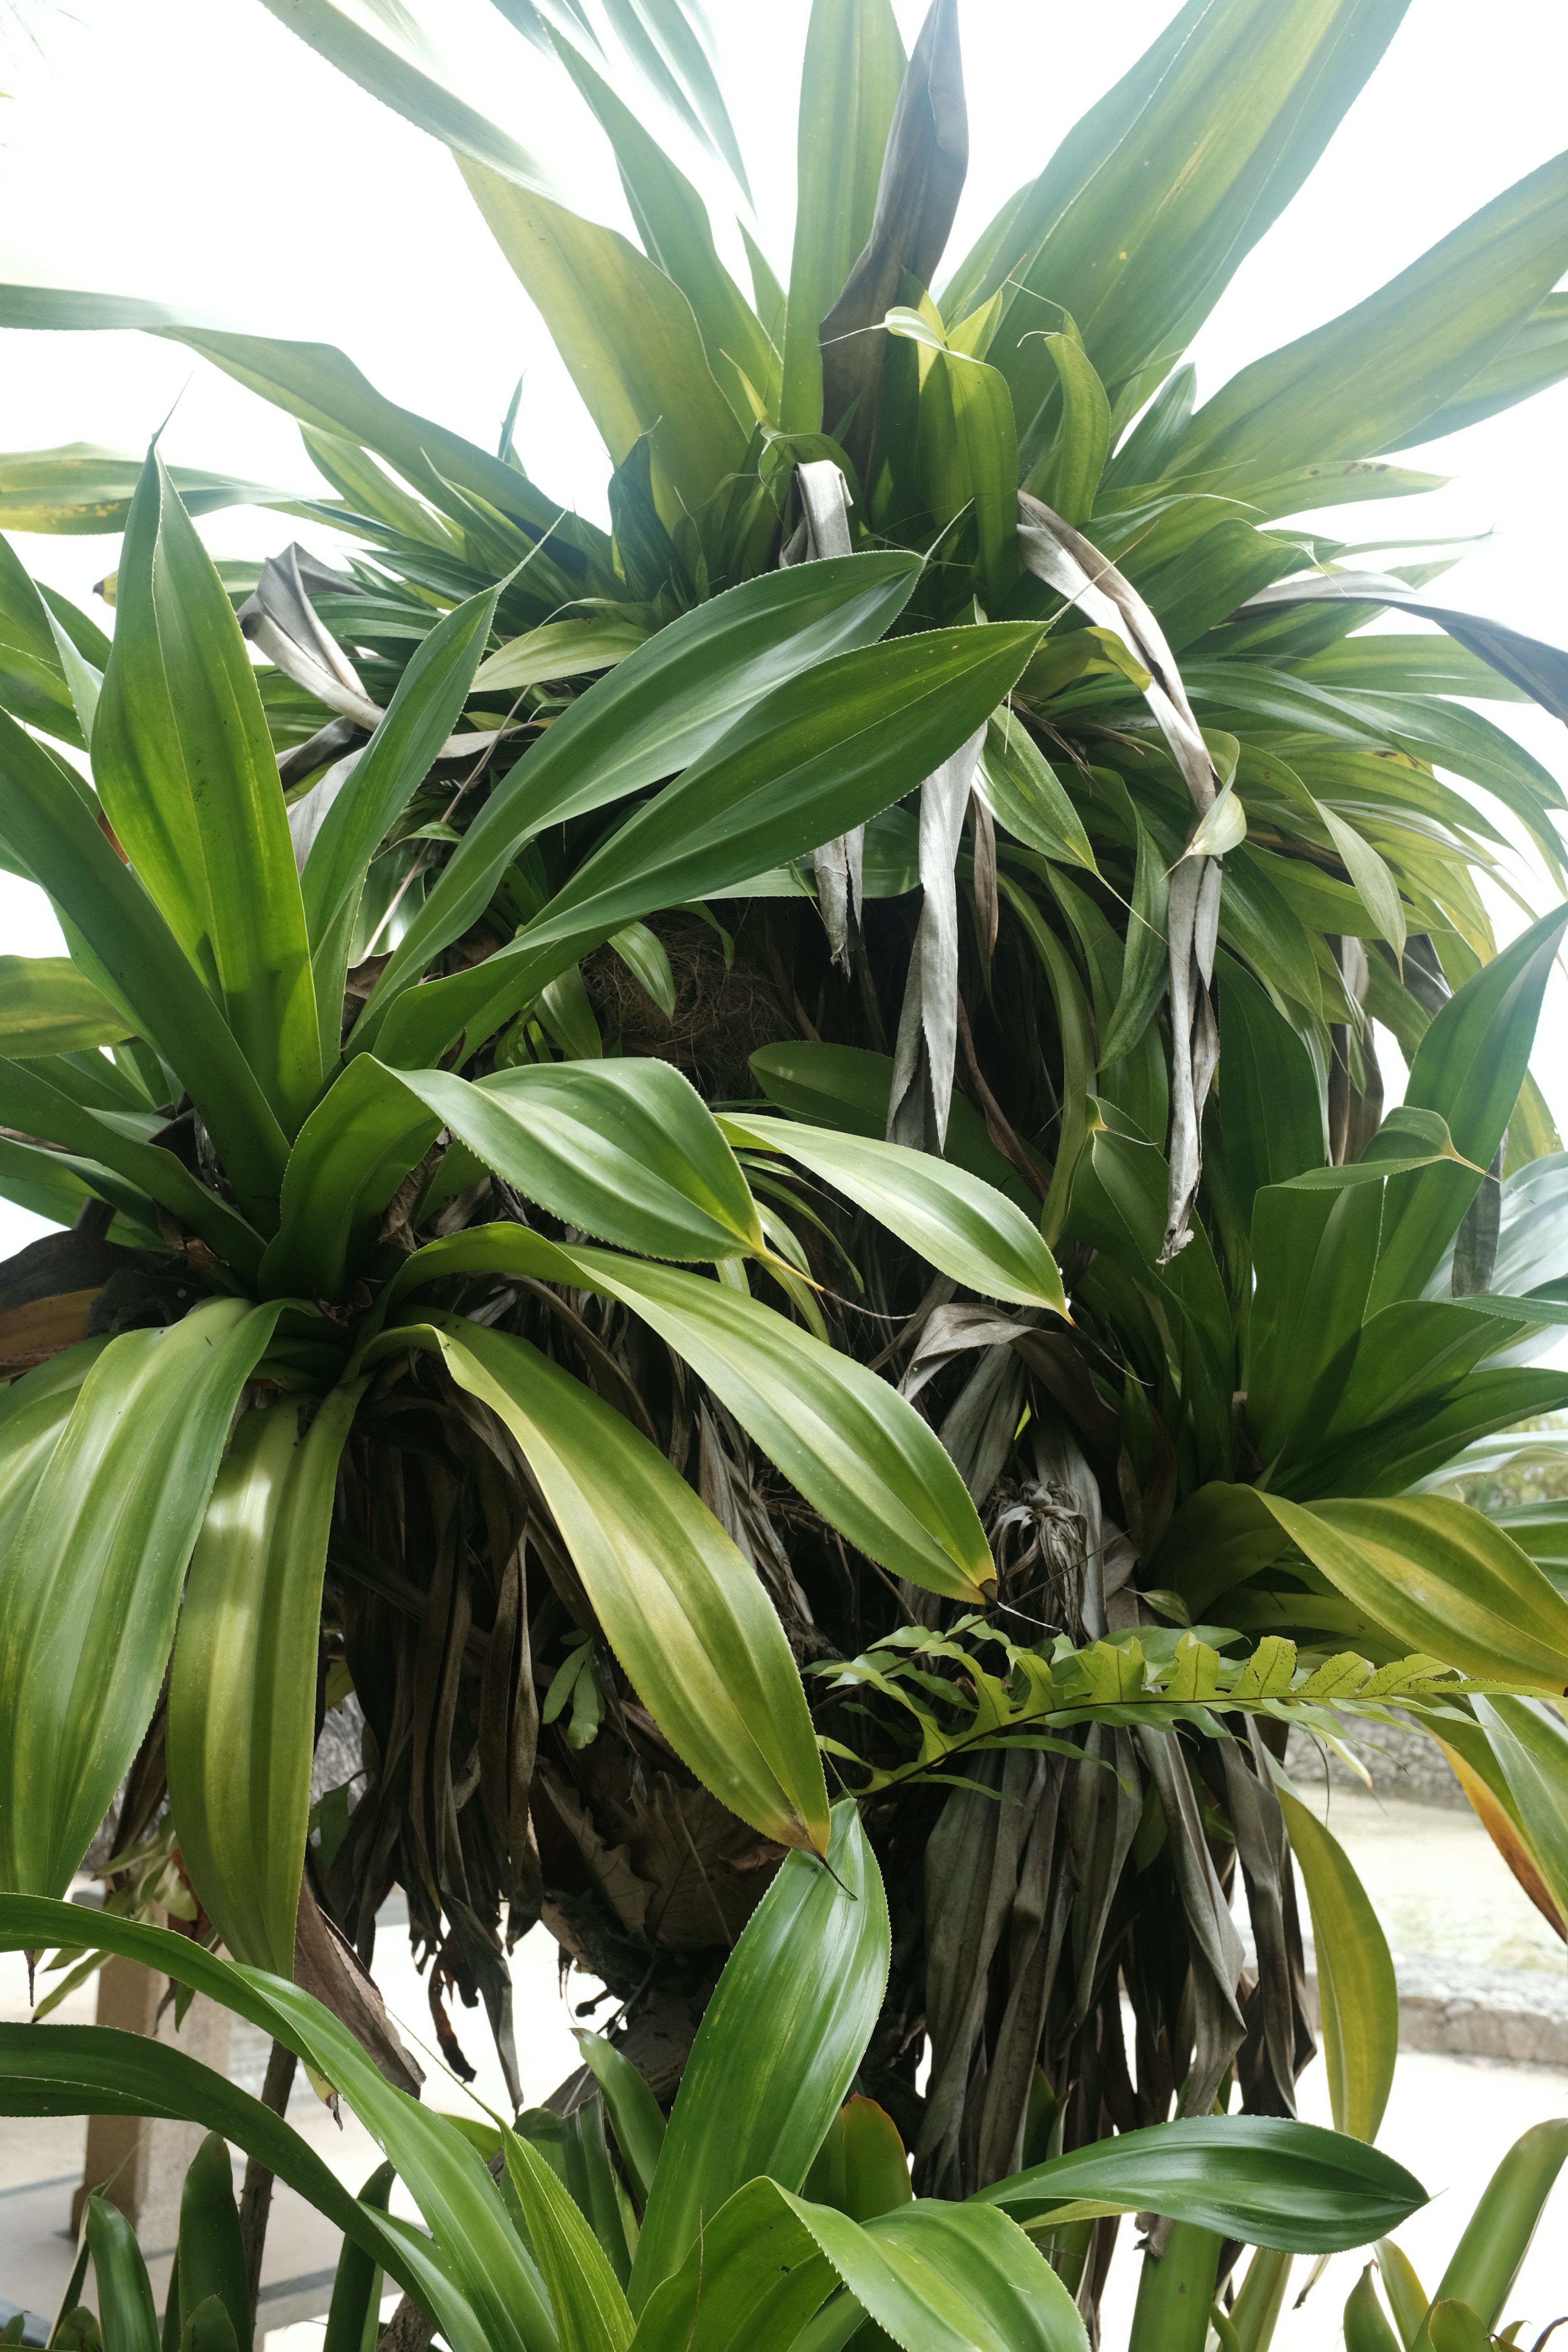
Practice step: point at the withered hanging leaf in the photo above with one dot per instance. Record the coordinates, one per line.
(1067, 561)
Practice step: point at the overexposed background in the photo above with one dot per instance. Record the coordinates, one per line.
(196, 150)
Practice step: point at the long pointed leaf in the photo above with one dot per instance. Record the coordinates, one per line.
(420, 717)
(849, 86)
(821, 753)
(778, 2045)
(1262, 2179)
(684, 1614)
(476, 2279)
(53, 833)
(1365, 382)
(91, 1584)
(382, 49)
(661, 709)
(960, 1224)
(189, 780)
(623, 1150)
(242, 1692)
(28, 1102)
(672, 222)
(940, 2278)
(858, 1452)
(1356, 1989)
(591, 2312)
(1444, 1580)
(47, 1006)
(628, 337)
(1145, 212)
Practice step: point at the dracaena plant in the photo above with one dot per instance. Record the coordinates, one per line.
(1202, 810)
(763, 2205)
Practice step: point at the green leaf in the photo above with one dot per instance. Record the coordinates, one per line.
(354, 2319)
(672, 46)
(673, 223)
(242, 1691)
(778, 2045)
(80, 488)
(682, 1611)
(1443, 1580)
(212, 2257)
(968, 449)
(1080, 1056)
(1139, 221)
(951, 1219)
(623, 1149)
(558, 649)
(1378, 890)
(628, 339)
(1366, 2322)
(627, 1151)
(861, 2168)
(474, 2280)
(1271, 1107)
(1453, 2326)
(1021, 791)
(54, 834)
(1365, 381)
(847, 1088)
(591, 2312)
(849, 86)
(1176, 2294)
(1261, 2178)
(657, 711)
(390, 57)
(95, 2070)
(126, 2312)
(208, 2328)
(1468, 1067)
(90, 1585)
(1529, 1744)
(854, 1449)
(189, 780)
(1146, 968)
(354, 1152)
(420, 717)
(28, 1102)
(636, 2116)
(1356, 1987)
(317, 384)
(1496, 2239)
(819, 754)
(47, 1006)
(33, 683)
(940, 2278)
(1069, 475)
(1535, 355)
(1315, 1253)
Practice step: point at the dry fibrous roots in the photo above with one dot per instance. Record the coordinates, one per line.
(724, 1008)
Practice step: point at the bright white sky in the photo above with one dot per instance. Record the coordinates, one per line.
(196, 150)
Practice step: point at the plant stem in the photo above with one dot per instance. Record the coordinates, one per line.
(1261, 2298)
(1176, 2292)
(255, 2197)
